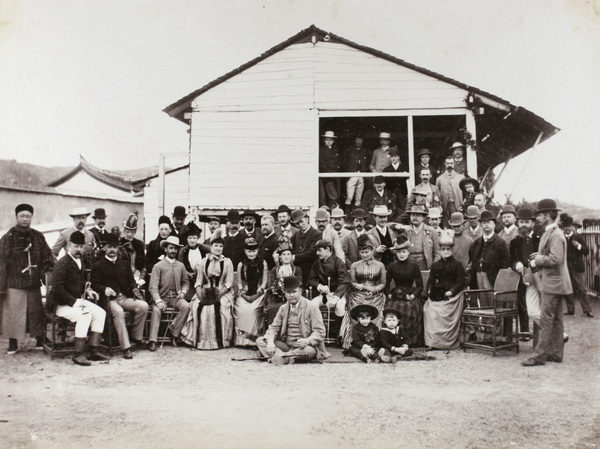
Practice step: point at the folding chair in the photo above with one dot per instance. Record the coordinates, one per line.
(486, 309)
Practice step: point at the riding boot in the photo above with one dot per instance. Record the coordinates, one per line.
(78, 357)
(94, 344)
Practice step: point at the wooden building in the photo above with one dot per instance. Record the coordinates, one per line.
(255, 132)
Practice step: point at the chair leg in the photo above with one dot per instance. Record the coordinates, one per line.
(162, 342)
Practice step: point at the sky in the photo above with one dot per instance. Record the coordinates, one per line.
(92, 77)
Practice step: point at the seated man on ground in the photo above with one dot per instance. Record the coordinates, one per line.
(297, 333)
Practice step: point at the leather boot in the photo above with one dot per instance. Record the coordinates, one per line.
(94, 344)
(78, 357)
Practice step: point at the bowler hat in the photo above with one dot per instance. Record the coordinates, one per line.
(22, 207)
(99, 213)
(297, 215)
(424, 152)
(233, 216)
(250, 213)
(567, 220)
(364, 308)
(419, 190)
(546, 205)
(392, 311)
(250, 243)
(472, 212)
(525, 213)
(456, 219)
(385, 136)
(400, 243)
(329, 134)
(111, 239)
(78, 211)
(337, 213)
(434, 212)
(381, 211)
(417, 209)
(468, 180)
(486, 215)
(321, 214)
(291, 282)
(378, 179)
(359, 213)
(77, 238)
(508, 209)
(282, 208)
(179, 212)
(170, 240)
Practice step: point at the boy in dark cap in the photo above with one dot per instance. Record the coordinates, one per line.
(391, 340)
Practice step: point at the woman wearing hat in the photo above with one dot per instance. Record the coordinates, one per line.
(404, 287)
(154, 253)
(367, 280)
(248, 312)
(275, 295)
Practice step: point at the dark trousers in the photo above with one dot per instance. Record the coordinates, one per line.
(522, 308)
(579, 292)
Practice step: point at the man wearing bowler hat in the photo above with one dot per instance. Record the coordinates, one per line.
(249, 228)
(25, 258)
(357, 159)
(423, 158)
(474, 228)
(329, 162)
(381, 156)
(509, 230)
(297, 333)
(350, 240)
(79, 216)
(179, 215)
(555, 284)
(304, 243)
(99, 230)
(283, 226)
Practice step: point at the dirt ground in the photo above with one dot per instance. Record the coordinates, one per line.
(184, 398)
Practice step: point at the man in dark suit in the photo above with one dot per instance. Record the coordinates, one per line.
(349, 241)
(304, 243)
(551, 261)
(379, 195)
(283, 227)
(99, 232)
(269, 242)
(133, 248)
(576, 250)
(489, 254)
(396, 185)
(113, 279)
(68, 293)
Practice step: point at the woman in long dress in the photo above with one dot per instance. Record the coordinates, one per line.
(275, 297)
(404, 288)
(367, 280)
(248, 313)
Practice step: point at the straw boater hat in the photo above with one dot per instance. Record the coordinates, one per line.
(525, 213)
(338, 213)
(381, 211)
(329, 134)
(472, 212)
(434, 212)
(385, 136)
(457, 145)
(456, 219)
(546, 205)
(170, 240)
(401, 243)
(362, 308)
(424, 152)
(79, 211)
(468, 180)
(417, 209)
(446, 238)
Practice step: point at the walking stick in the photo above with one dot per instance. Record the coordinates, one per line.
(328, 308)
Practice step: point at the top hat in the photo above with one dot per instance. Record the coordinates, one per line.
(435, 212)
(385, 136)
(250, 213)
(321, 214)
(393, 311)
(525, 213)
(233, 216)
(508, 209)
(486, 215)
(163, 219)
(456, 219)
(338, 213)
(170, 240)
(291, 282)
(179, 212)
(132, 222)
(250, 243)
(111, 239)
(472, 212)
(99, 213)
(329, 134)
(457, 145)
(381, 211)
(401, 243)
(78, 211)
(364, 308)
(424, 152)
(297, 215)
(468, 180)
(22, 207)
(417, 209)
(77, 238)
(359, 213)
(546, 205)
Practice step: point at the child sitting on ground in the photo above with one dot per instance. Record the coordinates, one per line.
(365, 334)
(391, 339)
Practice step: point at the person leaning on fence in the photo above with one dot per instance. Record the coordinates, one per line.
(169, 284)
(297, 333)
(67, 299)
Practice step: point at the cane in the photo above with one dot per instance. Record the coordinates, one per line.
(328, 308)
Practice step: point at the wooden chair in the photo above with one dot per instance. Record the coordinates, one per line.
(59, 337)
(329, 320)
(487, 309)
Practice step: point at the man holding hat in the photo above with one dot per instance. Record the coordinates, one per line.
(214, 223)
(79, 216)
(169, 284)
(304, 243)
(350, 240)
(474, 229)
(460, 164)
(381, 156)
(424, 247)
(555, 284)
(329, 162)
(379, 196)
(462, 242)
(113, 280)
(179, 215)
(322, 221)
(509, 230)
(25, 258)
(448, 183)
(297, 333)
(383, 235)
(424, 156)
(68, 300)
(357, 160)
(283, 227)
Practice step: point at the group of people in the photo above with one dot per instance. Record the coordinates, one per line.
(267, 281)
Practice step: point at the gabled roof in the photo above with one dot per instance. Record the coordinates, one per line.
(183, 105)
(114, 179)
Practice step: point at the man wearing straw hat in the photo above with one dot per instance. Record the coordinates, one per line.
(329, 188)
(458, 152)
(79, 216)
(424, 247)
(381, 156)
(383, 235)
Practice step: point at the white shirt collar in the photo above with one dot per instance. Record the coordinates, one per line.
(382, 230)
(171, 261)
(113, 260)
(396, 166)
(77, 261)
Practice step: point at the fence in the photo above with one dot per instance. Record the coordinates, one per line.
(591, 234)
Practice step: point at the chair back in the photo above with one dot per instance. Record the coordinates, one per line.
(505, 289)
(425, 276)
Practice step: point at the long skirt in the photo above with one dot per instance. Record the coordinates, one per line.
(248, 317)
(356, 298)
(442, 322)
(201, 331)
(23, 312)
(411, 323)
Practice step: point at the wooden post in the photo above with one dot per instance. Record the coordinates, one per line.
(471, 153)
(411, 152)
(161, 184)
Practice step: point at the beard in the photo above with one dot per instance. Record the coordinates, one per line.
(524, 232)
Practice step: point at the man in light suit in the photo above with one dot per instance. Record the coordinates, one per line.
(424, 247)
(350, 240)
(448, 183)
(79, 216)
(509, 230)
(551, 261)
(383, 235)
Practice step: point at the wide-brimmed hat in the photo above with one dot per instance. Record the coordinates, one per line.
(131, 223)
(456, 219)
(329, 134)
(419, 190)
(78, 211)
(417, 209)
(233, 216)
(170, 240)
(381, 211)
(359, 213)
(385, 136)
(472, 212)
(250, 243)
(321, 214)
(401, 243)
(338, 213)
(393, 311)
(435, 212)
(282, 208)
(99, 213)
(290, 282)
(179, 212)
(487, 215)
(424, 152)
(111, 239)
(468, 180)
(250, 213)
(298, 215)
(364, 308)
(457, 145)
(525, 213)
(508, 209)
(546, 205)
(77, 238)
